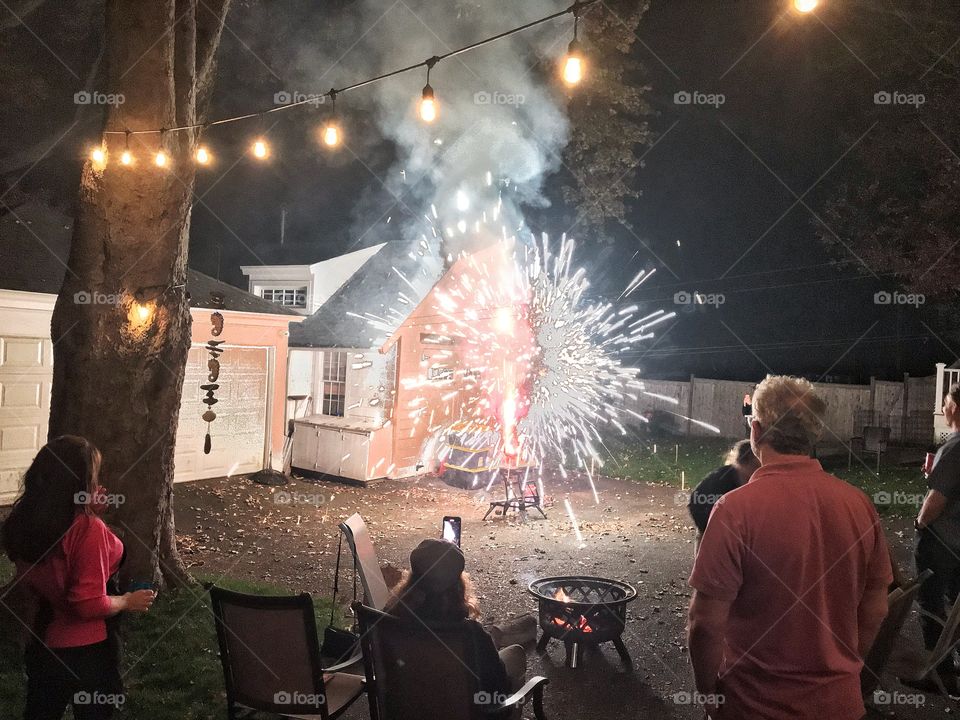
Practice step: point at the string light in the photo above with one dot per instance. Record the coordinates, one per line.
(805, 6)
(331, 131)
(573, 62)
(98, 156)
(160, 159)
(428, 107)
(126, 157)
(260, 149)
(428, 102)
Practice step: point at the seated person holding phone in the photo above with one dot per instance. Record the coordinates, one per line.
(437, 590)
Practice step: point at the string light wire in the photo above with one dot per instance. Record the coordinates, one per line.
(575, 9)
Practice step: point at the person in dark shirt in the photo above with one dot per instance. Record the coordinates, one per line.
(747, 412)
(739, 466)
(436, 590)
(938, 540)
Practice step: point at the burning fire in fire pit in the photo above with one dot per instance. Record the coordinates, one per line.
(582, 611)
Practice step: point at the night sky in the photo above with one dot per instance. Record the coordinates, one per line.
(714, 183)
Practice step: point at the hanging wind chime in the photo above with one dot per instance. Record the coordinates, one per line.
(213, 368)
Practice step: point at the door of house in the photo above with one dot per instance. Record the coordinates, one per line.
(239, 432)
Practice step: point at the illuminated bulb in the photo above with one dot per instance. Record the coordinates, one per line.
(126, 158)
(573, 64)
(140, 314)
(203, 156)
(805, 6)
(331, 135)
(160, 159)
(98, 156)
(428, 105)
(260, 149)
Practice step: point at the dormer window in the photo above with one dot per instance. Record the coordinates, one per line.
(288, 297)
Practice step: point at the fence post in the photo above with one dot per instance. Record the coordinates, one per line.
(938, 398)
(874, 420)
(693, 382)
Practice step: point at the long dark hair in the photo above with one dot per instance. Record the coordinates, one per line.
(458, 602)
(56, 486)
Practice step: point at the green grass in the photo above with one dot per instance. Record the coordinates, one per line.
(897, 491)
(171, 664)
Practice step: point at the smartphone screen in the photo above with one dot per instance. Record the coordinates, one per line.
(451, 529)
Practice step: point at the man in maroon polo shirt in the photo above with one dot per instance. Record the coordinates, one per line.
(790, 584)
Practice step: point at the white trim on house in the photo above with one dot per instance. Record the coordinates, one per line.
(322, 279)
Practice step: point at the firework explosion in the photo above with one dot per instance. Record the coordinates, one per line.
(521, 365)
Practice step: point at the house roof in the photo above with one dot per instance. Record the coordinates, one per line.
(487, 257)
(374, 288)
(35, 243)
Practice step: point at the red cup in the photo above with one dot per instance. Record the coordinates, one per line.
(928, 463)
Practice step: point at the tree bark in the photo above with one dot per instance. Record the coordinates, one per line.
(121, 325)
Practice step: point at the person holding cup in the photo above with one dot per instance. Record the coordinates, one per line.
(65, 556)
(938, 541)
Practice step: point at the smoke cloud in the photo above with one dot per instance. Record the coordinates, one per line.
(497, 117)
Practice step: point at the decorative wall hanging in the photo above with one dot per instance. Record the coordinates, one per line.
(213, 368)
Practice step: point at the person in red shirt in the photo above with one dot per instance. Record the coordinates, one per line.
(790, 584)
(64, 555)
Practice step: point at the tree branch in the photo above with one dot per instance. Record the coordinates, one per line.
(210, 19)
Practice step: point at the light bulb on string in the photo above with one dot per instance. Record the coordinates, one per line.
(805, 6)
(161, 158)
(260, 149)
(428, 101)
(331, 135)
(572, 72)
(428, 105)
(331, 131)
(202, 156)
(98, 157)
(126, 157)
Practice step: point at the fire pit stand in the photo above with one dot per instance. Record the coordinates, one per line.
(582, 612)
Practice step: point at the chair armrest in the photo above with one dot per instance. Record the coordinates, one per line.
(534, 687)
(345, 664)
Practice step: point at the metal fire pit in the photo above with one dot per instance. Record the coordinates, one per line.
(582, 611)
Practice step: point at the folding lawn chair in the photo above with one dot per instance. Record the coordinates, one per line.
(271, 659)
(899, 601)
(375, 591)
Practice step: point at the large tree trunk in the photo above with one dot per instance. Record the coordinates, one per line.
(121, 326)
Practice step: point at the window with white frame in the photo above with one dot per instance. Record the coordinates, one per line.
(334, 382)
(288, 297)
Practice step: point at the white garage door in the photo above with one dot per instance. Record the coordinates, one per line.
(239, 432)
(26, 370)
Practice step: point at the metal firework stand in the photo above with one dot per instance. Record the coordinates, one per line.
(519, 489)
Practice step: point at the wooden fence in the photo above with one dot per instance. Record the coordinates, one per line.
(905, 407)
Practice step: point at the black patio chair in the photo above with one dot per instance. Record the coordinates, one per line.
(271, 658)
(874, 441)
(420, 673)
